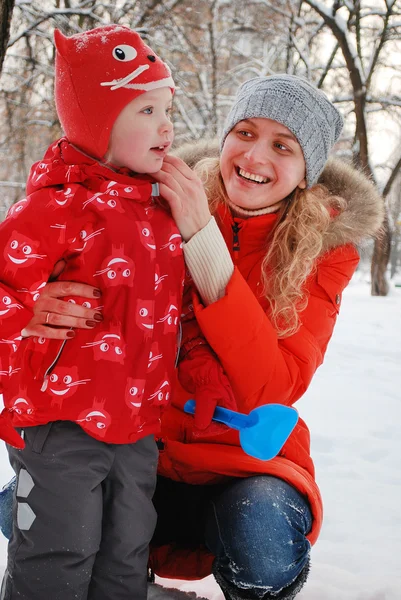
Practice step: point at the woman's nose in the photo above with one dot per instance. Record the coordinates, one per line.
(257, 153)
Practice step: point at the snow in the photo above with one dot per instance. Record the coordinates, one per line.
(353, 409)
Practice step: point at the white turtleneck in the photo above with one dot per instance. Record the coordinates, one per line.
(208, 258)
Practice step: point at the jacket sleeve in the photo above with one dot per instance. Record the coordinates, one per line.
(32, 241)
(193, 342)
(261, 368)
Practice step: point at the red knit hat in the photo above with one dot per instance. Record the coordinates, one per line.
(97, 73)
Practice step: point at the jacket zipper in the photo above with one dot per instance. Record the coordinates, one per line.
(236, 228)
(51, 367)
(179, 341)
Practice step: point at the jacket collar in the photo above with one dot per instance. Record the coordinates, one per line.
(257, 229)
(64, 164)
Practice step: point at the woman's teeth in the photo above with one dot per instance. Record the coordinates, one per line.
(252, 176)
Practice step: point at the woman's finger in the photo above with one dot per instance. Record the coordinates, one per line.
(58, 289)
(180, 165)
(55, 326)
(56, 320)
(49, 305)
(50, 333)
(173, 180)
(57, 269)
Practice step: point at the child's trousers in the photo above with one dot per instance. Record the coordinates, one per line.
(83, 516)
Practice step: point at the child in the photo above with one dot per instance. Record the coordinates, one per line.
(87, 407)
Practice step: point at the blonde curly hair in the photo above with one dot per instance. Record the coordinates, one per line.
(293, 246)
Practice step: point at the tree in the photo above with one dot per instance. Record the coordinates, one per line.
(345, 47)
(362, 34)
(6, 11)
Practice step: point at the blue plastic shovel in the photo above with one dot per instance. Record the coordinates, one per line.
(263, 432)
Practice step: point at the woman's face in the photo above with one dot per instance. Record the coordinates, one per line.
(261, 163)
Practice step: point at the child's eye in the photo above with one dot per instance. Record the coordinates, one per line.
(169, 112)
(148, 110)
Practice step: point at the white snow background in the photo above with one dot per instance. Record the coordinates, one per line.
(353, 409)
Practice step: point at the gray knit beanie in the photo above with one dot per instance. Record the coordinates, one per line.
(297, 104)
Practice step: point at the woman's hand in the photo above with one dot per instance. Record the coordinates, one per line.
(183, 190)
(53, 318)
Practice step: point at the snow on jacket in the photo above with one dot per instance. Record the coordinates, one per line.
(114, 380)
(262, 368)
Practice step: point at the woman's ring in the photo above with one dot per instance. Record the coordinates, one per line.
(47, 318)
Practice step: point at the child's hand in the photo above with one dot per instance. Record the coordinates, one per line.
(183, 190)
(208, 396)
(202, 375)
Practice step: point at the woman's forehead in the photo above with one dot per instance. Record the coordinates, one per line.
(274, 127)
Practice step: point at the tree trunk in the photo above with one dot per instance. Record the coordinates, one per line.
(380, 259)
(6, 11)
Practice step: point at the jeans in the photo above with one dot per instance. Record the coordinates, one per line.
(256, 527)
(6, 508)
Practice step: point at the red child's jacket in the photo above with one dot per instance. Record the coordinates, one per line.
(114, 380)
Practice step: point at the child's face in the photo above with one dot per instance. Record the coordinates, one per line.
(143, 132)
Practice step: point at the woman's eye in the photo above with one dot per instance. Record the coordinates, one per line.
(244, 133)
(280, 146)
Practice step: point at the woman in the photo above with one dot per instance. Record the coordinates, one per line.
(270, 267)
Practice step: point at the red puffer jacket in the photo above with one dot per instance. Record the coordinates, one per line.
(261, 368)
(113, 380)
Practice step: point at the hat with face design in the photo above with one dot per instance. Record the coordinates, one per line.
(97, 73)
(297, 104)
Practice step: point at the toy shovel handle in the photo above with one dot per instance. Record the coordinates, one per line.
(233, 419)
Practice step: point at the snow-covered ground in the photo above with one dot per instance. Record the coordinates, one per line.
(353, 409)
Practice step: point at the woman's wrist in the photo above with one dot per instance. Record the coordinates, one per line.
(209, 262)
(196, 228)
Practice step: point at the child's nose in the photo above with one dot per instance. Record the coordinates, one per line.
(166, 126)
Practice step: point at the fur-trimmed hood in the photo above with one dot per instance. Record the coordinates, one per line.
(364, 212)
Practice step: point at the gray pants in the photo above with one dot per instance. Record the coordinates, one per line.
(83, 517)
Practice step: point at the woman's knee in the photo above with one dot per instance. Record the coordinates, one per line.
(257, 529)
